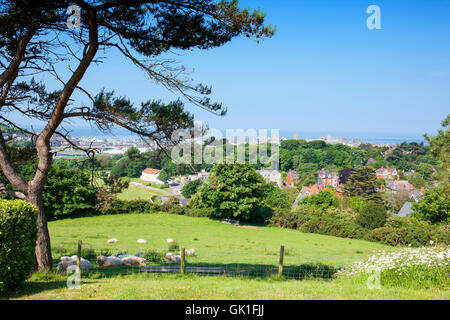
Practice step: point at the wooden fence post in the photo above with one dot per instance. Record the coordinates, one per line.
(79, 254)
(280, 266)
(183, 260)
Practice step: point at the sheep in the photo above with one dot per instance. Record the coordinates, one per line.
(142, 241)
(170, 240)
(113, 240)
(66, 262)
(134, 261)
(111, 261)
(173, 259)
(189, 252)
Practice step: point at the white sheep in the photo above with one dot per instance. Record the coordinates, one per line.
(170, 240)
(173, 259)
(134, 261)
(142, 241)
(66, 262)
(111, 261)
(190, 252)
(113, 240)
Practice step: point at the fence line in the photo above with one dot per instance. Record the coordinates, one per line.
(255, 265)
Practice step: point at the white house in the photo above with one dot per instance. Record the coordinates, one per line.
(151, 175)
(272, 176)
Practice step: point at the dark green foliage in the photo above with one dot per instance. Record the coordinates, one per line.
(154, 256)
(275, 198)
(322, 225)
(168, 171)
(133, 206)
(373, 215)
(363, 183)
(409, 235)
(324, 200)
(434, 207)
(199, 212)
(172, 205)
(69, 193)
(190, 188)
(400, 231)
(18, 233)
(233, 191)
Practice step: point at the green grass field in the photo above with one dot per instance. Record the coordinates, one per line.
(216, 244)
(133, 193)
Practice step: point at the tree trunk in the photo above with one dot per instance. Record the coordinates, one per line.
(43, 251)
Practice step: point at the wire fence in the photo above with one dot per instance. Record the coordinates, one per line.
(254, 264)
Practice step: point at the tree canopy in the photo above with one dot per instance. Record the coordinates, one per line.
(37, 43)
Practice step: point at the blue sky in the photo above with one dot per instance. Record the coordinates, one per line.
(323, 71)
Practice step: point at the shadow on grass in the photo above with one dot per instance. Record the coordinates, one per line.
(299, 272)
(32, 287)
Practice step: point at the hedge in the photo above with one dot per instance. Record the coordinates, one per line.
(18, 234)
(394, 234)
(321, 225)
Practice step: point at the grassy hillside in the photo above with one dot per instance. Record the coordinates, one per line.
(216, 244)
(213, 241)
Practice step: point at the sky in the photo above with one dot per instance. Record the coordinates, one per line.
(323, 71)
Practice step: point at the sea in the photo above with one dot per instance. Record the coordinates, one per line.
(366, 137)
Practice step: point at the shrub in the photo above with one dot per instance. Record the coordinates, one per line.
(322, 225)
(116, 206)
(176, 209)
(373, 215)
(194, 202)
(173, 246)
(154, 256)
(434, 207)
(309, 210)
(409, 235)
(199, 212)
(190, 188)
(324, 199)
(18, 233)
(170, 204)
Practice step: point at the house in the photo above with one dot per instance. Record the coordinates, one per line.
(272, 176)
(400, 185)
(306, 192)
(387, 173)
(199, 176)
(405, 211)
(327, 178)
(151, 175)
(416, 194)
(290, 179)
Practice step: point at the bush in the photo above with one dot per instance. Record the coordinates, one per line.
(173, 246)
(116, 206)
(373, 215)
(190, 188)
(324, 199)
(409, 235)
(154, 256)
(18, 234)
(199, 212)
(176, 209)
(321, 225)
(434, 207)
(170, 204)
